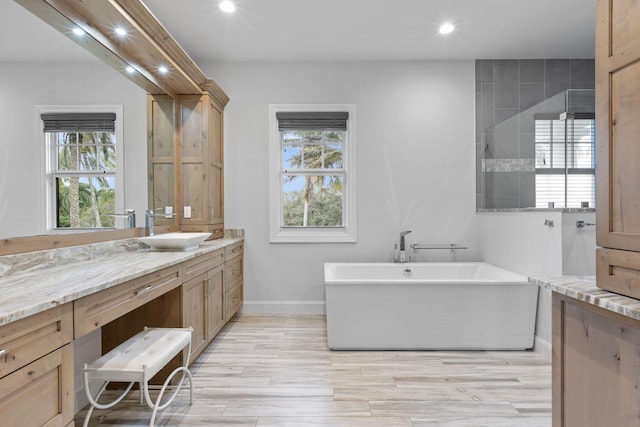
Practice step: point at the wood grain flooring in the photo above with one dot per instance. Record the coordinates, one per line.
(276, 370)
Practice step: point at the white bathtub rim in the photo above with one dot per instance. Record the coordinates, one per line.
(509, 278)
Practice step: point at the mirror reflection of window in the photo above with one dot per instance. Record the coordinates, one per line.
(565, 162)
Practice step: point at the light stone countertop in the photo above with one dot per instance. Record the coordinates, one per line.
(34, 290)
(583, 288)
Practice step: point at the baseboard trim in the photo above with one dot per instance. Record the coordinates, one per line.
(542, 347)
(283, 307)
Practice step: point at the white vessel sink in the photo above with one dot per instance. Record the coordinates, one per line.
(175, 241)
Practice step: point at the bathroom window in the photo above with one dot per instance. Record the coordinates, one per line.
(565, 161)
(312, 167)
(83, 176)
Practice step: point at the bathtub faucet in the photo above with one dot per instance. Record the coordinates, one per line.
(403, 254)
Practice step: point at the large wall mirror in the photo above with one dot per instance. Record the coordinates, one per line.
(42, 67)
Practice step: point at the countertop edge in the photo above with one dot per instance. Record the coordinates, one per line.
(583, 288)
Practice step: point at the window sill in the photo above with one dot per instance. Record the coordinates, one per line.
(313, 236)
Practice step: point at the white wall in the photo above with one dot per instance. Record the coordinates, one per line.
(25, 85)
(415, 163)
(578, 244)
(521, 242)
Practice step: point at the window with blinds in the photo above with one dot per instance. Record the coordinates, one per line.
(82, 168)
(564, 161)
(313, 179)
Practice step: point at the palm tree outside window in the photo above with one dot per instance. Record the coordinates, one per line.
(82, 169)
(312, 158)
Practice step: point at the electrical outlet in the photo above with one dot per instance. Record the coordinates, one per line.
(187, 211)
(168, 212)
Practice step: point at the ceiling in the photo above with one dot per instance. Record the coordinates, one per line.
(339, 30)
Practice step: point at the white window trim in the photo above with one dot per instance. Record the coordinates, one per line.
(44, 160)
(279, 234)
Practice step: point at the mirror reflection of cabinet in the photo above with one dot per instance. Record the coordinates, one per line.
(160, 154)
(201, 162)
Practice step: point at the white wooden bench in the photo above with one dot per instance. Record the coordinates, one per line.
(137, 360)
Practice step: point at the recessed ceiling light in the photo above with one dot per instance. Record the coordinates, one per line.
(163, 69)
(78, 31)
(121, 31)
(446, 28)
(227, 6)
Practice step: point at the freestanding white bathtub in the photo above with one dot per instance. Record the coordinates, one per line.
(428, 306)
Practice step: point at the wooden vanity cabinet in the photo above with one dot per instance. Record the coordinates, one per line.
(596, 355)
(618, 151)
(234, 288)
(36, 369)
(202, 299)
(201, 162)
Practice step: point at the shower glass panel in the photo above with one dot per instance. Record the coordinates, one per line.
(544, 154)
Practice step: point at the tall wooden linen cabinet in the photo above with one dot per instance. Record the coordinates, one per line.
(618, 146)
(190, 174)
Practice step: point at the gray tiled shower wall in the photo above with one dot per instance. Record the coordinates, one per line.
(506, 91)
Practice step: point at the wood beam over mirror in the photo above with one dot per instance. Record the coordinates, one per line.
(146, 46)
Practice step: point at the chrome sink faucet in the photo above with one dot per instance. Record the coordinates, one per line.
(150, 214)
(130, 218)
(403, 254)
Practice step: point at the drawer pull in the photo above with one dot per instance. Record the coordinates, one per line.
(239, 248)
(143, 291)
(2, 352)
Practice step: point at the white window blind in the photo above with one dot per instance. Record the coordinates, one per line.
(565, 161)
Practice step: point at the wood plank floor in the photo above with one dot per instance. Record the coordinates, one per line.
(277, 371)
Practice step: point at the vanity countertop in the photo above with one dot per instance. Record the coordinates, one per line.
(583, 288)
(35, 290)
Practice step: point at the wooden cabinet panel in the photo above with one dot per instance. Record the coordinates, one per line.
(233, 299)
(624, 152)
(100, 308)
(625, 31)
(201, 159)
(233, 283)
(197, 266)
(40, 393)
(194, 313)
(28, 339)
(618, 151)
(233, 251)
(215, 302)
(596, 360)
(161, 153)
(233, 272)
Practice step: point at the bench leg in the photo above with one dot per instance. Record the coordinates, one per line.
(94, 402)
(156, 406)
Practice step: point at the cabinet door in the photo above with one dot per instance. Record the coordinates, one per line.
(618, 155)
(40, 393)
(194, 312)
(215, 302)
(596, 355)
(193, 143)
(202, 172)
(216, 169)
(160, 153)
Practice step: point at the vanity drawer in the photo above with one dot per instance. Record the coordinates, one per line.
(96, 310)
(40, 393)
(25, 340)
(197, 266)
(232, 301)
(233, 251)
(233, 272)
